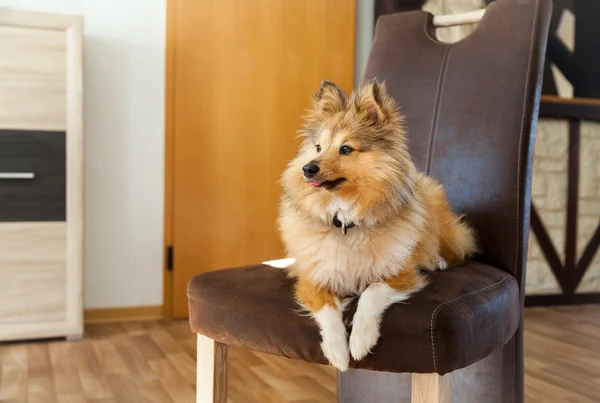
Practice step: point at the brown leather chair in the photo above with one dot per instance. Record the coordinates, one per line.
(471, 111)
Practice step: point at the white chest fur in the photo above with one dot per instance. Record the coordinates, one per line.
(349, 263)
(342, 209)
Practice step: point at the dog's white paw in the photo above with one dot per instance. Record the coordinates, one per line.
(334, 336)
(442, 264)
(336, 351)
(365, 326)
(364, 336)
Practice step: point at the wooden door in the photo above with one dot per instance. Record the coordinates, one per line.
(240, 74)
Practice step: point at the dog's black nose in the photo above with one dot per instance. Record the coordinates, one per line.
(310, 169)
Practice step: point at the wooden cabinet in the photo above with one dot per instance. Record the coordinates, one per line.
(41, 159)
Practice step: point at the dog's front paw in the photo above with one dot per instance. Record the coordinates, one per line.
(363, 338)
(441, 264)
(336, 351)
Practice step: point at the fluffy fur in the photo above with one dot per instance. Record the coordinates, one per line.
(402, 220)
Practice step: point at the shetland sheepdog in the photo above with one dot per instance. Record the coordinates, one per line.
(359, 219)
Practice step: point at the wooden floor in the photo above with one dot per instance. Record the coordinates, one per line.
(562, 354)
(154, 362)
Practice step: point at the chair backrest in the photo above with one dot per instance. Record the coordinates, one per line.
(471, 111)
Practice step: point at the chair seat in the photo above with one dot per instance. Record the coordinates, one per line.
(463, 315)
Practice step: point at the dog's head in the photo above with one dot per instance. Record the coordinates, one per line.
(354, 148)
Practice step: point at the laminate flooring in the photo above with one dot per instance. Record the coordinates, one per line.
(154, 362)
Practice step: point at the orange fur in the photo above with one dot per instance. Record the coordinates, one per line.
(405, 280)
(314, 298)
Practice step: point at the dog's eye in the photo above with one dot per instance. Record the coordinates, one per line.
(346, 149)
(318, 148)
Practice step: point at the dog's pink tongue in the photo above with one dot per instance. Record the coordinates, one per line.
(314, 183)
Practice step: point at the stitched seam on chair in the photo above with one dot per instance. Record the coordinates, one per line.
(437, 106)
(514, 347)
(187, 291)
(437, 120)
(521, 129)
(443, 304)
(529, 61)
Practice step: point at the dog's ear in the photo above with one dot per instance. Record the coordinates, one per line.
(373, 105)
(330, 98)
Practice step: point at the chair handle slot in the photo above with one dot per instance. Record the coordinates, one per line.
(448, 20)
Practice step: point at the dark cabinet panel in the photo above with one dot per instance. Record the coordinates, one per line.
(32, 175)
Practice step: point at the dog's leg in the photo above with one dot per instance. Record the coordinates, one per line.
(441, 264)
(372, 304)
(326, 308)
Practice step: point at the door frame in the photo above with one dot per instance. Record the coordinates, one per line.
(171, 25)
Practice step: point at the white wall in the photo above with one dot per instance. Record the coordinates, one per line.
(124, 146)
(365, 13)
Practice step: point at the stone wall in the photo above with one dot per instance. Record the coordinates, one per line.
(549, 194)
(589, 200)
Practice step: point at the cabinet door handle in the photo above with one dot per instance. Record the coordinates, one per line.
(17, 175)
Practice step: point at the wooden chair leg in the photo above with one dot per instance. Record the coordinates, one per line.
(430, 388)
(211, 372)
